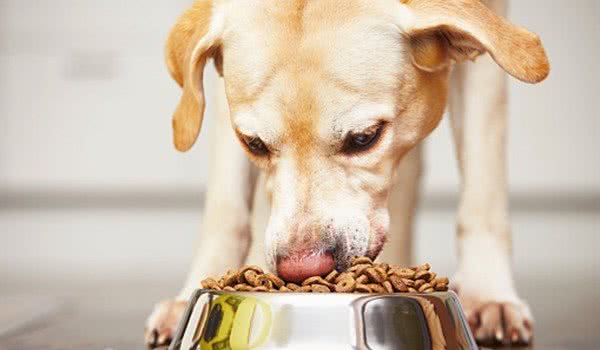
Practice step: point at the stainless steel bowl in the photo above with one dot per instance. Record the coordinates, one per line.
(244, 321)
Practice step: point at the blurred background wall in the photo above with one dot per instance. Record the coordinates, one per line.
(89, 177)
(85, 102)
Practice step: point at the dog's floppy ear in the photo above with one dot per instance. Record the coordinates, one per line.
(442, 31)
(192, 41)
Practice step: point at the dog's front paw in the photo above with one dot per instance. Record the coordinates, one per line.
(485, 286)
(162, 323)
(496, 320)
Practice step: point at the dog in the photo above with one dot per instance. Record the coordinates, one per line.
(322, 106)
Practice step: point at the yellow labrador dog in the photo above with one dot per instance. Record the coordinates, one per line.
(329, 99)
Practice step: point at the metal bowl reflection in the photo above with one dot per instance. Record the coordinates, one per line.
(243, 321)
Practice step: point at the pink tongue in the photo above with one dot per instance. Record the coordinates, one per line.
(297, 269)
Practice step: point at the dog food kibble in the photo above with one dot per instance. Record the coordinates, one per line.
(363, 276)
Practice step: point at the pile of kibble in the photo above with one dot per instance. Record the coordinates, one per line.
(364, 276)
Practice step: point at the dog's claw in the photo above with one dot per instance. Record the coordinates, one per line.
(164, 339)
(499, 323)
(499, 336)
(514, 337)
(154, 337)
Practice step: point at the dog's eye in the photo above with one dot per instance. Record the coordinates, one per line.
(362, 141)
(255, 145)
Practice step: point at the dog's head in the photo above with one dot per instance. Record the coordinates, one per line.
(327, 96)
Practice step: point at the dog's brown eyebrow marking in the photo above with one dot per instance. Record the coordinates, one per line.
(249, 97)
(339, 83)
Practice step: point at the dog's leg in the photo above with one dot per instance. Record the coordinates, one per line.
(225, 234)
(484, 279)
(402, 204)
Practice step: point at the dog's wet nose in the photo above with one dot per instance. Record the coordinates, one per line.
(297, 268)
